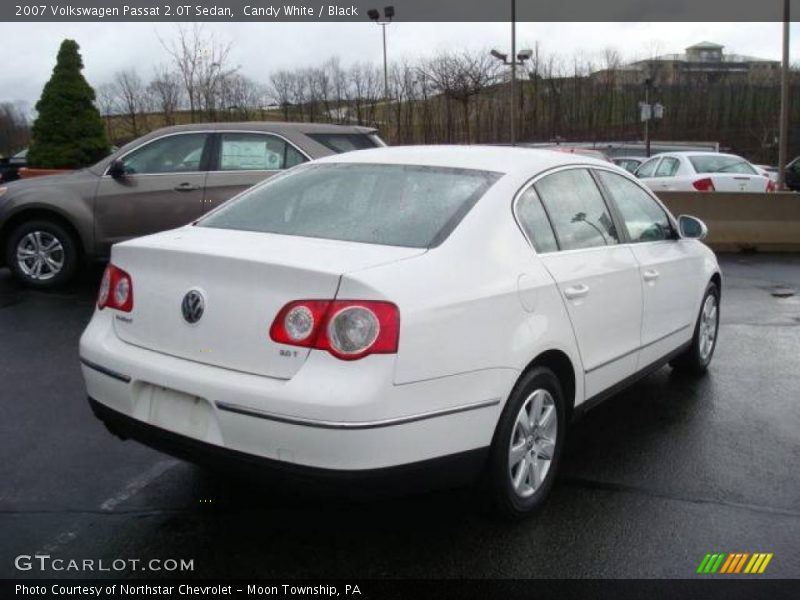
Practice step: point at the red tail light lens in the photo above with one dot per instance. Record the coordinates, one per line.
(771, 187)
(116, 290)
(348, 329)
(704, 185)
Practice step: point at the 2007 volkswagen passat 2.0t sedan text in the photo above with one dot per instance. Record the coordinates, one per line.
(441, 310)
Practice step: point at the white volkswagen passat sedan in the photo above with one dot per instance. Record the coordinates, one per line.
(397, 311)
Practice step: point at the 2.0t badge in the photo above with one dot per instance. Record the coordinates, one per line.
(193, 306)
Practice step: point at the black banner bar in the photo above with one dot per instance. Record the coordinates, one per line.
(405, 10)
(738, 588)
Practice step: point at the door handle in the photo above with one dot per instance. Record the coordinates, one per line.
(186, 187)
(650, 275)
(576, 291)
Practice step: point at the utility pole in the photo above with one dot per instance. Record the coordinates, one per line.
(784, 124)
(513, 106)
(648, 83)
(375, 16)
(517, 60)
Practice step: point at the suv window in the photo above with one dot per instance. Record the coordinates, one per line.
(535, 223)
(344, 142)
(644, 219)
(647, 169)
(256, 152)
(577, 210)
(179, 153)
(668, 167)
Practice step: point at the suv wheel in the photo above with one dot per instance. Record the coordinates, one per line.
(42, 254)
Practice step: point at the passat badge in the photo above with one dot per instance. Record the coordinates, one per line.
(193, 306)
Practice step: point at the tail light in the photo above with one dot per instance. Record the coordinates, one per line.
(704, 185)
(348, 329)
(116, 290)
(771, 187)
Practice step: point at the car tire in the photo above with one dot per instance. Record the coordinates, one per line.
(51, 251)
(516, 482)
(696, 358)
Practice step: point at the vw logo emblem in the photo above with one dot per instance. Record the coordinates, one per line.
(193, 306)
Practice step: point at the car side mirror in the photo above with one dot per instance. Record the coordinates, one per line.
(692, 227)
(116, 169)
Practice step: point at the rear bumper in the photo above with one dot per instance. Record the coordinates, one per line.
(455, 469)
(335, 416)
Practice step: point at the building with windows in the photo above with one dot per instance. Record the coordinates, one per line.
(705, 62)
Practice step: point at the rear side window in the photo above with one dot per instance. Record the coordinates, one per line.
(668, 167)
(394, 205)
(647, 169)
(577, 210)
(644, 219)
(535, 223)
(256, 152)
(344, 142)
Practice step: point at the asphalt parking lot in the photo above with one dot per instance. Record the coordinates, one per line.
(653, 479)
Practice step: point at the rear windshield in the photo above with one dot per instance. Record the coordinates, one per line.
(721, 164)
(344, 142)
(393, 205)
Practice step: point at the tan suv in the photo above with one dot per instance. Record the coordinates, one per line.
(168, 178)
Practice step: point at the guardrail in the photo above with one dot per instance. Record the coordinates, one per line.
(766, 222)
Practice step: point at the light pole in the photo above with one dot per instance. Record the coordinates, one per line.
(784, 124)
(517, 59)
(388, 14)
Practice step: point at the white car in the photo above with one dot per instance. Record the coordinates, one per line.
(702, 172)
(399, 311)
(768, 171)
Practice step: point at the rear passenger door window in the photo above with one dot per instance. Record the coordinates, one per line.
(668, 167)
(648, 168)
(576, 209)
(256, 152)
(644, 219)
(534, 222)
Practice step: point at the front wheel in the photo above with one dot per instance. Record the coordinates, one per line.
(42, 254)
(698, 355)
(527, 447)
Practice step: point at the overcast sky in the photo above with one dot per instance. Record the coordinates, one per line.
(260, 48)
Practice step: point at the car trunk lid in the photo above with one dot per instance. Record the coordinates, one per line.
(245, 278)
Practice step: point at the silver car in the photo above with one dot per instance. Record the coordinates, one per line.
(165, 179)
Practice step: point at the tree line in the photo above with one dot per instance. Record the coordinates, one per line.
(449, 97)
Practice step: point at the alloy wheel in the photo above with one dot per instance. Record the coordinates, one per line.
(708, 327)
(40, 255)
(533, 443)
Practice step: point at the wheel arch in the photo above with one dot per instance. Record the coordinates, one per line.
(561, 365)
(31, 213)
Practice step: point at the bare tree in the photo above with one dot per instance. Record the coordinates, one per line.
(202, 61)
(167, 93)
(14, 128)
(280, 90)
(131, 98)
(460, 76)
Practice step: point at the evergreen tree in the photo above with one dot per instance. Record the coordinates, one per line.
(69, 132)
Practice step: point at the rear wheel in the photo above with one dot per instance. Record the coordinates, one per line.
(696, 358)
(528, 442)
(42, 254)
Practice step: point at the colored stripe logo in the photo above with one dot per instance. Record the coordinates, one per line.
(735, 563)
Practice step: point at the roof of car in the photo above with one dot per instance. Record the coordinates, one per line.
(501, 159)
(268, 126)
(695, 153)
